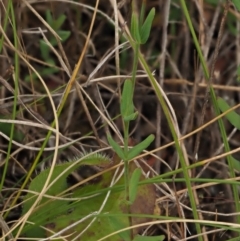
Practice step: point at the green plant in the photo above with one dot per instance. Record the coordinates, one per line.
(140, 31)
(61, 207)
(10, 130)
(45, 50)
(54, 214)
(216, 104)
(135, 42)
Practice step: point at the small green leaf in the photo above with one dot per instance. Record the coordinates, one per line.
(146, 27)
(50, 62)
(44, 49)
(118, 225)
(43, 72)
(149, 238)
(131, 117)
(64, 35)
(48, 71)
(140, 147)
(237, 4)
(133, 184)
(127, 107)
(116, 147)
(232, 116)
(135, 28)
(59, 22)
(142, 13)
(49, 17)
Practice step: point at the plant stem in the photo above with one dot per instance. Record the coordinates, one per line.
(16, 75)
(215, 105)
(126, 175)
(126, 135)
(135, 64)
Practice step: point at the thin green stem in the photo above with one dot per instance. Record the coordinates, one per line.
(126, 176)
(215, 106)
(59, 110)
(175, 138)
(136, 49)
(126, 134)
(126, 123)
(171, 126)
(14, 111)
(36, 161)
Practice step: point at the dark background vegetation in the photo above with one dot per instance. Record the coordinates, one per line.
(183, 83)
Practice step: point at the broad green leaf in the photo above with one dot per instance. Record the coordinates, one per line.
(232, 116)
(133, 184)
(90, 199)
(149, 238)
(140, 147)
(127, 106)
(135, 28)
(44, 49)
(48, 208)
(116, 147)
(116, 204)
(146, 27)
(237, 4)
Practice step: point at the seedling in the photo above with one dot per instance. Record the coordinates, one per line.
(140, 31)
(45, 50)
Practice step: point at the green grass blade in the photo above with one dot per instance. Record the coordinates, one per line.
(216, 109)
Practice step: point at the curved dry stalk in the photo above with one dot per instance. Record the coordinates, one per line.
(5, 228)
(23, 220)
